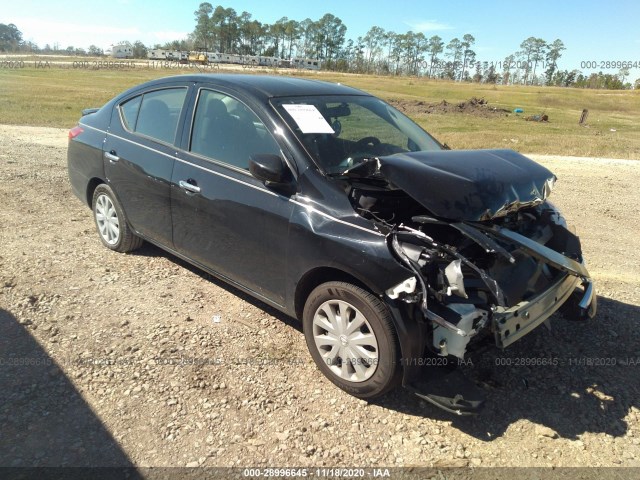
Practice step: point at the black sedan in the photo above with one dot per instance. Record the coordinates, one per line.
(397, 254)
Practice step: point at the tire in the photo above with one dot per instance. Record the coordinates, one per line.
(368, 339)
(111, 221)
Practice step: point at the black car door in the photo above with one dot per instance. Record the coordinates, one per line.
(139, 155)
(224, 218)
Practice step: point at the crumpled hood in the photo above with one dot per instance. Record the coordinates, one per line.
(471, 185)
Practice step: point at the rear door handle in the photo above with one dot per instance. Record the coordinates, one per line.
(111, 156)
(189, 186)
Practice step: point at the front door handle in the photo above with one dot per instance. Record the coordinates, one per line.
(189, 186)
(111, 156)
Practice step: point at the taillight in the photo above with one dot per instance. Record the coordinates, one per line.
(75, 131)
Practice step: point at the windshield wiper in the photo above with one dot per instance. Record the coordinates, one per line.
(369, 167)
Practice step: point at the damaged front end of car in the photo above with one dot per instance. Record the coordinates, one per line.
(490, 256)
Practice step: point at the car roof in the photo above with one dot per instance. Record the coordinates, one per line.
(264, 86)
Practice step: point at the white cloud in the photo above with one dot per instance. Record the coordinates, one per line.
(76, 34)
(429, 26)
(62, 28)
(167, 36)
(81, 35)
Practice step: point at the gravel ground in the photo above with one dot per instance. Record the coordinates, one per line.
(111, 359)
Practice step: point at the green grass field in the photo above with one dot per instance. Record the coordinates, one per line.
(55, 96)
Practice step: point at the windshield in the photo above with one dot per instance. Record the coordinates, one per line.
(341, 131)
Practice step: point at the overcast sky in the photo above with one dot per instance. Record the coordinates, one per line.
(595, 31)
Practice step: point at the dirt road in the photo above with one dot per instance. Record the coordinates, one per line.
(110, 359)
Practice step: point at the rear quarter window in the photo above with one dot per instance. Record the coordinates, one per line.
(154, 114)
(129, 111)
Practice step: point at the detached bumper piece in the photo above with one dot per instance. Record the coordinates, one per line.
(574, 292)
(532, 278)
(449, 390)
(514, 323)
(582, 304)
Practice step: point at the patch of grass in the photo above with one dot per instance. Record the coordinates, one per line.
(55, 96)
(617, 110)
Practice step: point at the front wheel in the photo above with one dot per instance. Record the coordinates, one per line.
(352, 339)
(111, 221)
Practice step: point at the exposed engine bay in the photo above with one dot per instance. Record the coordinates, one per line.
(488, 252)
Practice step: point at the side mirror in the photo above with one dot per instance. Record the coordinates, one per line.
(273, 171)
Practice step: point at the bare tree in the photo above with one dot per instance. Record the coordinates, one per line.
(203, 33)
(468, 55)
(509, 63)
(527, 47)
(435, 47)
(373, 41)
(454, 52)
(537, 54)
(554, 52)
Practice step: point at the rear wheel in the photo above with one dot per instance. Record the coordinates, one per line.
(352, 339)
(111, 221)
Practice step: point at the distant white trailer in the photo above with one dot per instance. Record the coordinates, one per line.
(305, 63)
(257, 61)
(250, 60)
(269, 61)
(230, 58)
(213, 57)
(177, 56)
(157, 54)
(121, 51)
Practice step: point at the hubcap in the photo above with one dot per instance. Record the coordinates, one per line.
(345, 340)
(107, 220)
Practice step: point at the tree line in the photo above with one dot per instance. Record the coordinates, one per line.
(224, 30)
(386, 52)
(379, 51)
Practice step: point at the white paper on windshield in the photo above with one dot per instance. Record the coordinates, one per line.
(308, 118)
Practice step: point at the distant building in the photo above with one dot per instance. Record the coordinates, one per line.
(306, 63)
(157, 54)
(199, 57)
(121, 51)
